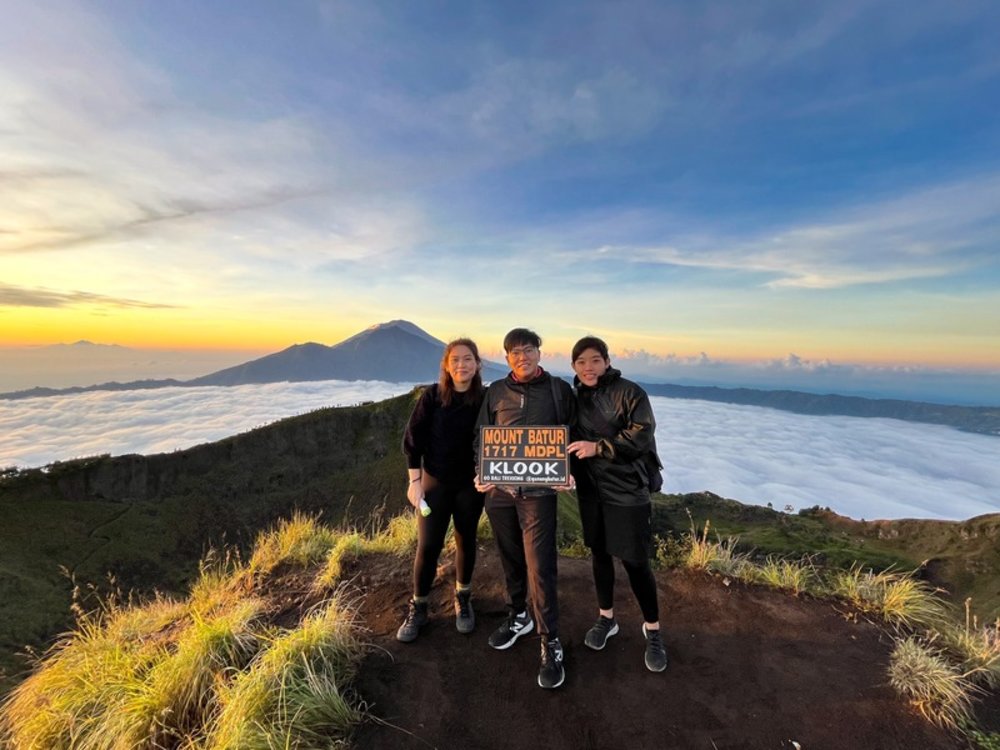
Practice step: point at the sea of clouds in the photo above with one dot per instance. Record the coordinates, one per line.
(863, 468)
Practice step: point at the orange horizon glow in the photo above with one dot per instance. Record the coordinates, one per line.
(154, 330)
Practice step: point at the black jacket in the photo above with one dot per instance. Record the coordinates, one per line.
(616, 415)
(439, 437)
(546, 400)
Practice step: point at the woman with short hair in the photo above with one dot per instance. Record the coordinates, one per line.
(612, 441)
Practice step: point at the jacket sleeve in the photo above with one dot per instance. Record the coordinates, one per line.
(418, 428)
(485, 418)
(636, 437)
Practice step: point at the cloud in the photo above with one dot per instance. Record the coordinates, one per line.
(15, 296)
(37, 431)
(930, 232)
(865, 468)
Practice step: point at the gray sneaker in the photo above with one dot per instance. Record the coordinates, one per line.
(465, 616)
(597, 637)
(656, 652)
(416, 618)
(512, 628)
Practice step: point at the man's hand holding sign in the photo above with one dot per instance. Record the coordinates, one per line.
(523, 455)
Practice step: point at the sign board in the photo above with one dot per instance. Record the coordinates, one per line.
(523, 455)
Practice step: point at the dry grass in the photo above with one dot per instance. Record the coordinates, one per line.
(210, 672)
(795, 576)
(719, 556)
(300, 541)
(898, 598)
(293, 694)
(976, 647)
(939, 691)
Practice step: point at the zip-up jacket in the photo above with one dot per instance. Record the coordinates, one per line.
(509, 403)
(616, 415)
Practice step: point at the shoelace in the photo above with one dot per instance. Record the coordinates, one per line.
(463, 606)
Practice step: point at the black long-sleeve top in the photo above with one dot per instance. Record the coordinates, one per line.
(440, 437)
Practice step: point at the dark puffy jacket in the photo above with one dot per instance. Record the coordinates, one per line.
(509, 403)
(616, 415)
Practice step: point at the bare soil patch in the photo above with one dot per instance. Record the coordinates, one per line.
(750, 668)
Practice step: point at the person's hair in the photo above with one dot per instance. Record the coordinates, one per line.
(446, 386)
(521, 337)
(590, 342)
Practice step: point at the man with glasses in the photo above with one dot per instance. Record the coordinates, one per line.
(524, 518)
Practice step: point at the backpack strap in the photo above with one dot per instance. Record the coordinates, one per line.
(556, 400)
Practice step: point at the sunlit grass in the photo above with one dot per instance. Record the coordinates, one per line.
(939, 691)
(896, 597)
(720, 556)
(180, 690)
(795, 576)
(210, 672)
(293, 692)
(88, 678)
(300, 540)
(977, 647)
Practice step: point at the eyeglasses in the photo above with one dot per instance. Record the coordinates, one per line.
(524, 351)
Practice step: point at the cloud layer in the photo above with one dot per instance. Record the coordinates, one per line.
(864, 468)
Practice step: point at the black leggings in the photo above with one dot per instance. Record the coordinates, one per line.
(640, 575)
(463, 504)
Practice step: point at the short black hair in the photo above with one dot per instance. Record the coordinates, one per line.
(590, 342)
(521, 337)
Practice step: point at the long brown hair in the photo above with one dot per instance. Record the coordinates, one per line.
(446, 387)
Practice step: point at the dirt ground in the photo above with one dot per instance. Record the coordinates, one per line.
(750, 668)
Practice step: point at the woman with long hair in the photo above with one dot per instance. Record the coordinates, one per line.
(441, 466)
(612, 465)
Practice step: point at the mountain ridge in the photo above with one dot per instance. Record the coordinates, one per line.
(401, 351)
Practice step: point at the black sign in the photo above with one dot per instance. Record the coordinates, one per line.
(523, 455)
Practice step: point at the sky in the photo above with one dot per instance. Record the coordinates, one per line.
(863, 468)
(812, 188)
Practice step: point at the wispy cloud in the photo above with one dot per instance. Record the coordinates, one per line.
(14, 296)
(932, 232)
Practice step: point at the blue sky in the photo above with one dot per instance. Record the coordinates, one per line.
(759, 182)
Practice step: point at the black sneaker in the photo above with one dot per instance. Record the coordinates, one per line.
(656, 652)
(551, 674)
(416, 618)
(597, 636)
(465, 617)
(513, 628)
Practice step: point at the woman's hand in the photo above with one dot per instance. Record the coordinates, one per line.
(582, 448)
(415, 493)
(483, 487)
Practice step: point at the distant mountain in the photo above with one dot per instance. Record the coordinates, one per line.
(397, 351)
(984, 420)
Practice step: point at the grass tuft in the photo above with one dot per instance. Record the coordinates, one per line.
(896, 597)
(795, 576)
(922, 674)
(976, 647)
(720, 556)
(293, 694)
(298, 541)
